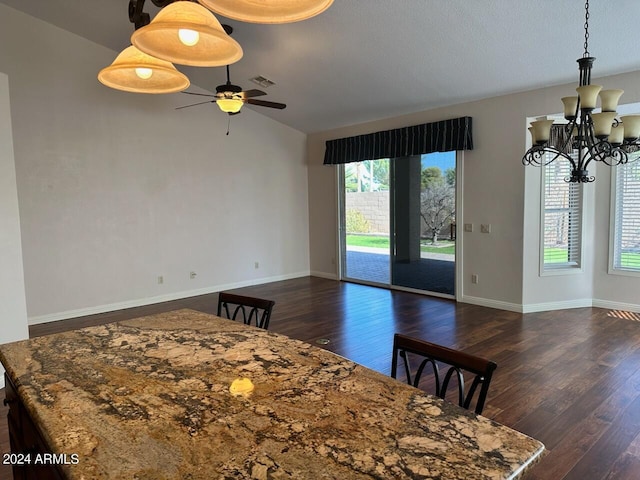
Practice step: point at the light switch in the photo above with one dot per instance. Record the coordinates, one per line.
(468, 227)
(485, 228)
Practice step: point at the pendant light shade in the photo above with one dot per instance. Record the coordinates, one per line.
(267, 11)
(186, 33)
(135, 71)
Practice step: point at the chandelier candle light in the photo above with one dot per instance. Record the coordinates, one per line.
(600, 137)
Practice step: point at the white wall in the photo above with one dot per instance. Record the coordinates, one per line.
(116, 189)
(13, 307)
(500, 191)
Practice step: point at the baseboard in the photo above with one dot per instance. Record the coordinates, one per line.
(487, 302)
(547, 306)
(529, 308)
(625, 307)
(81, 312)
(328, 276)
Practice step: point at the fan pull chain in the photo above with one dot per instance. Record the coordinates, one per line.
(228, 123)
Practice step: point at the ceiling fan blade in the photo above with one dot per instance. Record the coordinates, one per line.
(200, 94)
(194, 104)
(264, 103)
(252, 93)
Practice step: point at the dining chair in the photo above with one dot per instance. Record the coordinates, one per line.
(456, 362)
(254, 311)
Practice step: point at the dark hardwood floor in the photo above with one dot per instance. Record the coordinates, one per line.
(569, 378)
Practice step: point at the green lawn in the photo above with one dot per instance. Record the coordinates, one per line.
(630, 260)
(559, 255)
(383, 242)
(555, 255)
(367, 241)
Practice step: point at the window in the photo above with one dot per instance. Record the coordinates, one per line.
(561, 243)
(625, 255)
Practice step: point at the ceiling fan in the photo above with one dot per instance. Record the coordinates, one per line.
(230, 98)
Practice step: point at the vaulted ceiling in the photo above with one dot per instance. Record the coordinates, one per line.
(364, 60)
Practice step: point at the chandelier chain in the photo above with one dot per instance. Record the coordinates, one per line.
(586, 29)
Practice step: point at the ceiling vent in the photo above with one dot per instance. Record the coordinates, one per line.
(264, 82)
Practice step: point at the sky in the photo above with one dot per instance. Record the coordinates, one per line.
(443, 160)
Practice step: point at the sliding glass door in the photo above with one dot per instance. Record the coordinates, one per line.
(365, 223)
(398, 222)
(423, 219)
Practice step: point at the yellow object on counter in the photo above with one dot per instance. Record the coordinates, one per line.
(241, 386)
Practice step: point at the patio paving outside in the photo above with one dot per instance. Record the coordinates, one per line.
(434, 272)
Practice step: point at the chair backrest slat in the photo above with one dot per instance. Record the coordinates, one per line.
(458, 362)
(259, 309)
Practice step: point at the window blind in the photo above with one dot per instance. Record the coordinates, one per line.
(562, 225)
(627, 218)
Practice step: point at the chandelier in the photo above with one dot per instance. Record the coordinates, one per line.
(600, 137)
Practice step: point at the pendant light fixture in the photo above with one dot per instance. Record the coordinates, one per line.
(598, 137)
(135, 71)
(186, 33)
(267, 11)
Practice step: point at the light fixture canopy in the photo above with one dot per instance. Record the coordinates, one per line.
(267, 11)
(599, 137)
(186, 33)
(135, 71)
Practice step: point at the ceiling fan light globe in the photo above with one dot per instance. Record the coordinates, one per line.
(229, 105)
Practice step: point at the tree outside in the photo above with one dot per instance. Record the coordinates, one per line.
(437, 200)
(367, 176)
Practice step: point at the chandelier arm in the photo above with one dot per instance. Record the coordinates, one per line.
(590, 139)
(608, 154)
(536, 154)
(568, 130)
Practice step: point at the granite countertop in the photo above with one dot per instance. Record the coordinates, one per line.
(149, 399)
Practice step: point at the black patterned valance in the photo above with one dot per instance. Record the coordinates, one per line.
(444, 136)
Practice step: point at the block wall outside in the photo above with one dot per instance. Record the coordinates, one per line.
(374, 207)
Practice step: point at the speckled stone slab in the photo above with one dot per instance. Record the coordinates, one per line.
(149, 399)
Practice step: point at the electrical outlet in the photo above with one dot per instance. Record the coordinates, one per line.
(256, 265)
(160, 279)
(474, 278)
(192, 275)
